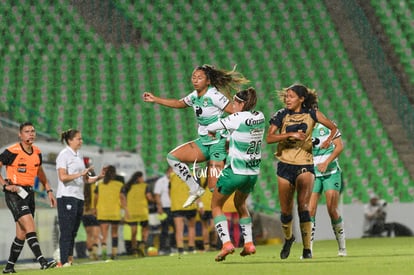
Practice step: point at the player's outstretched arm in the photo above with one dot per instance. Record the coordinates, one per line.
(169, 102)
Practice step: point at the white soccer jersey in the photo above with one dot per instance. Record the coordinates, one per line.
(246, 137)
(319, 135)
(208, 108)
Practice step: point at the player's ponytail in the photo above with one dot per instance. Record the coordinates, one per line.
(224, 81)
(249, 98)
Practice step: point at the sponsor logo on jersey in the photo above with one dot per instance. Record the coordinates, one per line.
(251, 121)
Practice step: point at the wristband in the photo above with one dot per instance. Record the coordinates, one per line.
(4, 187)
(50, 190)
(200, 204)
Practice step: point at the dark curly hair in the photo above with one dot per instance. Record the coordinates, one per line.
(224, 81)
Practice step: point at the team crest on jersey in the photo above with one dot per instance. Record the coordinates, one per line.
(322, 132)
(205, 102)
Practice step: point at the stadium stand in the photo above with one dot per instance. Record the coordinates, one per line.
(58, 71)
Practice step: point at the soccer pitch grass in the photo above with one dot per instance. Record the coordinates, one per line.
(365, 256)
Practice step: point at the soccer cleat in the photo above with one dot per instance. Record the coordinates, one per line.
(49, 264)
(306, 254)
(286, 248)
(342, 252)
(227, 249)
(193, 197)
(248, 249)
(9, 270)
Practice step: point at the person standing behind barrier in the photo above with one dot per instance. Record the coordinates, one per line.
(210, 100)
(163, 201)
(108, 209)
(135, 196)
(205, 213)
(72, 177)
(23, 162)
(329, 180)
(246, 127)
(90, 222)
(182, 216)
(291, 127)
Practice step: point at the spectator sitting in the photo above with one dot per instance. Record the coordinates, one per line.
(375, 215)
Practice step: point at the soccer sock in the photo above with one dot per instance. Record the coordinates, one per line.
(222, 228)
(305, 229)
(95, 249)
(104, 251)
(114, 247)
(287, 226)
(313, 232)
(31, 238)
(183, 172)
(339, 231)
(15, 250)
(246, 229)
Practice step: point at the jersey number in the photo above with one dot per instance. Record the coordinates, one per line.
(254, 147)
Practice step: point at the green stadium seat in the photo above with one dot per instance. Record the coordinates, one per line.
(81, 65)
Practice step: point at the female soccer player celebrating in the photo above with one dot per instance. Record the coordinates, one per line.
(246, 128)
(210, 100)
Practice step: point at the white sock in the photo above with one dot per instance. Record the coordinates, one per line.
(339, 232)
(312, 235)
(222, 228)
(246, 229)
(183, 172)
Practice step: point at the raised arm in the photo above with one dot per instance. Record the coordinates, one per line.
(169, 102)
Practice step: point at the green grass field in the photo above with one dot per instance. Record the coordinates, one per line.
(365, 256)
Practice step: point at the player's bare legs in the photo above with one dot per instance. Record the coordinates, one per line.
(286, 196)
(214, 171)
(178, 159)
(304, 186)
(332, 201)
(313, 206)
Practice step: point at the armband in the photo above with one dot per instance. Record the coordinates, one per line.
(50, 190)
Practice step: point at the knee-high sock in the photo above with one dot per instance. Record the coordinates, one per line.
(305, 229)
(287, 226)
(339, 231)
(246, 228)
(31, 238)
(15, 250)
(222, 228)
(183, 171)
(313, 231)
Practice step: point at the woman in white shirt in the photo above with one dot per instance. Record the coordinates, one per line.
(72, 176)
